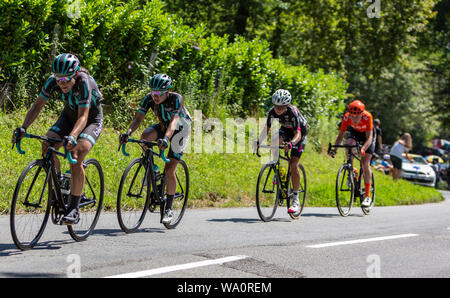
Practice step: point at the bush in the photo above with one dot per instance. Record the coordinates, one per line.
(123, 43)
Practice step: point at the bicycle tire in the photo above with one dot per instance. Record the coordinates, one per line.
(301, 192)
(91, 203)
(17, 205)
(133, 206)
(267, 205)
(181, 195)
(345, 185)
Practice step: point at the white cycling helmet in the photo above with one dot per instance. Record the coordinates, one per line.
(281, 97)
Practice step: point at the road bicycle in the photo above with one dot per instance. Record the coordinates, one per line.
(41, 193)
(274, 186)
(142, 187)
(349, 185)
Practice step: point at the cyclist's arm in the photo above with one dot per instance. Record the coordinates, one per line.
(172, 126)
(83, 115)
(297, 137)
(136, 122)
(34, 111)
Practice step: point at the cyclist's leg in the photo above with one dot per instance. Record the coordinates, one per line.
(296, 153)
(60, 129)
(152, 133)
(86, 141)
(367, 171)
(178, 145)
(350, 141)
(295, 175)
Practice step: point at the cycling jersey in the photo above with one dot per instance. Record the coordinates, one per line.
(85, 93)
(290, 120)
(365, 124)
(358, 131)
(172, 106)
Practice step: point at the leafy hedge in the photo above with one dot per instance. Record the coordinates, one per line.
(123, 43)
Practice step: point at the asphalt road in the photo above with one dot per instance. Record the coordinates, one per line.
(405, 241)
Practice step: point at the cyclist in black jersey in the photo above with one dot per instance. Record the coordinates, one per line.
(292, 134)
(79, 124)
(174, 126)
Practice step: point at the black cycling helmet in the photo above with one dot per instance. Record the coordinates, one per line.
(160, 82)
(65, 64)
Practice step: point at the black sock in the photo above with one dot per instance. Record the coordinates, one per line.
(74, 202)
(169, 201)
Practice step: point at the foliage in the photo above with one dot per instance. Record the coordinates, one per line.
(123, 43)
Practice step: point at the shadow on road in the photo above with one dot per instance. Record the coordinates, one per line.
(119, 232)
(29, 274)
(246, 220)
(328, 215)
(49, 245)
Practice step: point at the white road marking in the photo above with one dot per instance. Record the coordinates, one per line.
(178, 267)
(362, 240)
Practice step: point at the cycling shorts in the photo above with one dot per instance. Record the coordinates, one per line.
(63, 126)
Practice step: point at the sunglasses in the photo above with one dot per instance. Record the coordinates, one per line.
(158, 93)
(65, 79)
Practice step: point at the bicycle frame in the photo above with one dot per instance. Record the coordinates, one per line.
(348, 163)
(276, 167)
(49, 166)
(149, 169)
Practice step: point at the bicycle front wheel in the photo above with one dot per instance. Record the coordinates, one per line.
(30, 206)
(180, 199)
(133, 198)
(267, 192)
(91, 201)
(345, 190)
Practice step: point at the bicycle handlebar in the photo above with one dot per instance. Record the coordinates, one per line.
(269, 147)
(358, 146)
(66, 153)
(148, 144)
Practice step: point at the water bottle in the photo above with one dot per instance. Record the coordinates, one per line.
(283, 174)
(65, 184)
(355, 171)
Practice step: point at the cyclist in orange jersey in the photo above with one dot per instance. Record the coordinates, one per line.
(359, 122)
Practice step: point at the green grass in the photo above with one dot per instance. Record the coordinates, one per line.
(216, 180)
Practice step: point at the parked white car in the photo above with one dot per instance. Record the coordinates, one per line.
(418, 172)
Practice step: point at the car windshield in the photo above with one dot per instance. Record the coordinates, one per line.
(417, 160)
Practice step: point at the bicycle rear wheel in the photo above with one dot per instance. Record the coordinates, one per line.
(91, 201)
(30, 206)
(267, 192)
(345, 190)
(133, 196)
(367, 210)
(301, 192)
(180, 199)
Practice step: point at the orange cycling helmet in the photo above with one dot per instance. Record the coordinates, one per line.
(356, 107)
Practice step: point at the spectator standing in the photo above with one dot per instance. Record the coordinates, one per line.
(402, 145)
(379, 140)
